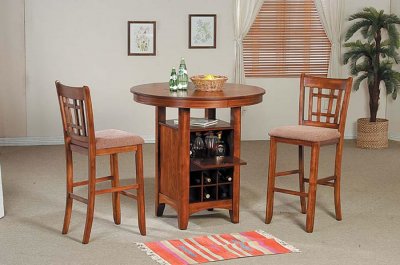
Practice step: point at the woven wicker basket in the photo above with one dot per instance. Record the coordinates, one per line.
(372, 135)
(215, 84)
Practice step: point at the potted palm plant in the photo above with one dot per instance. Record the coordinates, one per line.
(371, 59)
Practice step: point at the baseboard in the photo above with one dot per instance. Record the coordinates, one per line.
(149, 139)
(27, 141)
(349, 137)
(394, 136)
(24, 141)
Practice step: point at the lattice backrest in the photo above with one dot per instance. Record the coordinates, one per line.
(324, 101)
(76, 113)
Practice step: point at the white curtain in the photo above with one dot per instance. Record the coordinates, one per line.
(331, 15)
(245, 12)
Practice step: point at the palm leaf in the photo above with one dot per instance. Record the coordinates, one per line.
(355, 49)
(373, 11)
(393, 36)
(358, 80)
(363, 25)
(368, 13)
(392, 19)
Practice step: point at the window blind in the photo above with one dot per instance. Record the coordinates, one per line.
(286, 39)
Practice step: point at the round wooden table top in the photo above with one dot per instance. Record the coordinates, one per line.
(232, 95)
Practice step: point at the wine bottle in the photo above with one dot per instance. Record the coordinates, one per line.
(209, 193)
(195, 180)
(206, 195)
(223, 192)
(223, 177)
(206, 178)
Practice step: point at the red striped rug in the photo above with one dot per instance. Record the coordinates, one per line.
(215, 248)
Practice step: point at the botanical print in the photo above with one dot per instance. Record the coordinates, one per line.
(202, 31)
(143, 38)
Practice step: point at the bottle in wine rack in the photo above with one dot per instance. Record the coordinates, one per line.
(224, 192)
(207, 178)
(223, 176)
(195, 180)
(209, 193)
(206, 196)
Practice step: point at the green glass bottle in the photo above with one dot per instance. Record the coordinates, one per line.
(173, 80)
(183, 78)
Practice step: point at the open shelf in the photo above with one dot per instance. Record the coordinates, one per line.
(214, 162)
(219, 126)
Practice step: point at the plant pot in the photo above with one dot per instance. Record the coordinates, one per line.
(372, 135)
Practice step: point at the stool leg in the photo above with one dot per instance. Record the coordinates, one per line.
(69, 200)
(301, 178)
(271, 180)
(140, 190)
(116, 203)
(312, 189)
(91, 198)
(338, 173)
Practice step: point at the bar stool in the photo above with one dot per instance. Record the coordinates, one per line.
(80, 136)
(318, 126)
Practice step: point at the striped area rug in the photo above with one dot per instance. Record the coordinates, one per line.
(215, 248)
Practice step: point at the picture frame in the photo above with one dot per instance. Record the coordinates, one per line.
(202, 31)
(141, 38)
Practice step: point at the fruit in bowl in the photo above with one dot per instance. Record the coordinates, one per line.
(209, 77)
(209, 82)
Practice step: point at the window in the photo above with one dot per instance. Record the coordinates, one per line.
(286, 39)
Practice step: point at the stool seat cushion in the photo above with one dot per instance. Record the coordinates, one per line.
(116, 138)
(305, 133)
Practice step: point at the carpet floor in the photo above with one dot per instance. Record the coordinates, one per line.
(34, 198)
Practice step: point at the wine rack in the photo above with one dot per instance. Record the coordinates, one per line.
(211, 185)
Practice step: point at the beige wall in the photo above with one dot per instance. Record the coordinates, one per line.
(12, 69)
(85, 42)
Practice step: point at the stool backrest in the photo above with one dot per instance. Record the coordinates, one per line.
(324, 101)
(77, 114)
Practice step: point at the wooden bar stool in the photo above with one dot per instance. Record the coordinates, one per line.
(319, 125)
(80, 136)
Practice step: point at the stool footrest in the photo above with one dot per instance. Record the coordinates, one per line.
(291, 192)
(86, 182)
(324, 181)
(78, 198)
(118, 189)
(128, 194)
(285, 173)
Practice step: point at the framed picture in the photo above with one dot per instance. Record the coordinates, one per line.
(202, 31)
(141, 38)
